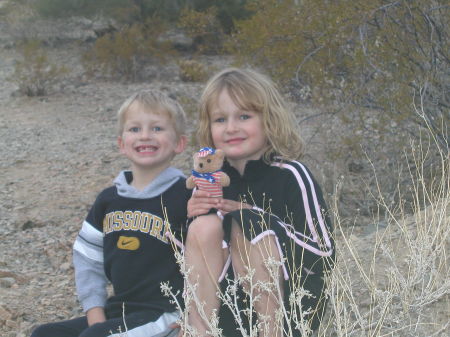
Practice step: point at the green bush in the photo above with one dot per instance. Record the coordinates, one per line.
(68, 8)
(204, 28)
(33, 72)
(374, 73)
(193, 71)
(364, 54)
(123, 54)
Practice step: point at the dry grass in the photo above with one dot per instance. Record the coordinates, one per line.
(397, 283)
(393, 282)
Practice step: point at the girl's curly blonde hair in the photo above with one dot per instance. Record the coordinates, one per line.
(253, 91)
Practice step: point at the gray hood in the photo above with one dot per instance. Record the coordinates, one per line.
(161, 183)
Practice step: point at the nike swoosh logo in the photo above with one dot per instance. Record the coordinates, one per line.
(128, 243)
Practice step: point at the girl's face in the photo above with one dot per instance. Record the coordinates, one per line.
(239, 133)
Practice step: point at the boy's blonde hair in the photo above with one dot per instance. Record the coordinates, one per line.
(253, 91)
(158, 103)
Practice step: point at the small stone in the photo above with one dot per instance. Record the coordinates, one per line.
(65, 266)
(7, 282)
(4, 314)
(11, 324)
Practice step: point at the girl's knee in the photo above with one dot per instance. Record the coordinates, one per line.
(205, 229)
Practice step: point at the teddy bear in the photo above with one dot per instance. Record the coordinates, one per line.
(207, 174)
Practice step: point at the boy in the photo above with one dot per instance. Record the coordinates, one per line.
(127, 236)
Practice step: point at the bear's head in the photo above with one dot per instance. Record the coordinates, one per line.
(208, 160)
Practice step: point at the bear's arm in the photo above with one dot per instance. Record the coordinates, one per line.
(224, 179)
(190, 182)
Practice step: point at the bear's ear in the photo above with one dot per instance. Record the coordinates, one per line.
(220, 153)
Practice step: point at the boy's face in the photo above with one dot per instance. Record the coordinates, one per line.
(149, 140)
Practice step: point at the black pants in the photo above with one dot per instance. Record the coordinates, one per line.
(78, 327)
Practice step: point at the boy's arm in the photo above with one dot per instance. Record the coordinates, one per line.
(95, 315)
(90, 278)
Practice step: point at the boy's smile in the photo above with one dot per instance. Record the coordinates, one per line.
(238, 132)
(146, 149)
(148, 139)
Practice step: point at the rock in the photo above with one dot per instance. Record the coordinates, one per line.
(7, 282)
(11, 324)
(178, 39)
(4, 314)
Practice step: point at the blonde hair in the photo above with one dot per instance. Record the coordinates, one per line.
(158, 103)
(253, 91)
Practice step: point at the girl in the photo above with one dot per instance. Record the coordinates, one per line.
(271, 226)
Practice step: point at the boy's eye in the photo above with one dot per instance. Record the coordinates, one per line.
(245, 116)
(157, 128)
(134, 129)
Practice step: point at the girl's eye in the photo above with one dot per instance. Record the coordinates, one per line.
(157, 128)
(245, 116)
(219, 120)
(134, 129)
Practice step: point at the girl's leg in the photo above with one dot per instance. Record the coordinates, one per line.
(246, 256)
(205, 259)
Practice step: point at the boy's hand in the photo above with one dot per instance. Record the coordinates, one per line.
(95, 315)
(226, 205)
(200, 203)
(174, 326)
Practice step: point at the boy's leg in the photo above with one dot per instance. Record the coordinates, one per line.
(137, 324)
(205, 258)
(246, 256)
(69, 328)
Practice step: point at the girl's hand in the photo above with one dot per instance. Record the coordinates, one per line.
(226, 205)
(200, 203)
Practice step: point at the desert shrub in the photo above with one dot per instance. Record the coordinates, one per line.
(34, 73)
(204, 28)
(68, 8)
(139, 11)
(375, 73)
(193, 71)
(226, 11)
(395, 281)
(125, 53)
(360, 54)
(126, 11)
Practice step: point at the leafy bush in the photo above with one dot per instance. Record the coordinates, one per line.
(123, 54)
(68, 8)
(370, 54)
(139, 11)
(375, 72)
(34, 73)
(192, 71)
(204, 28)
(226, 11)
